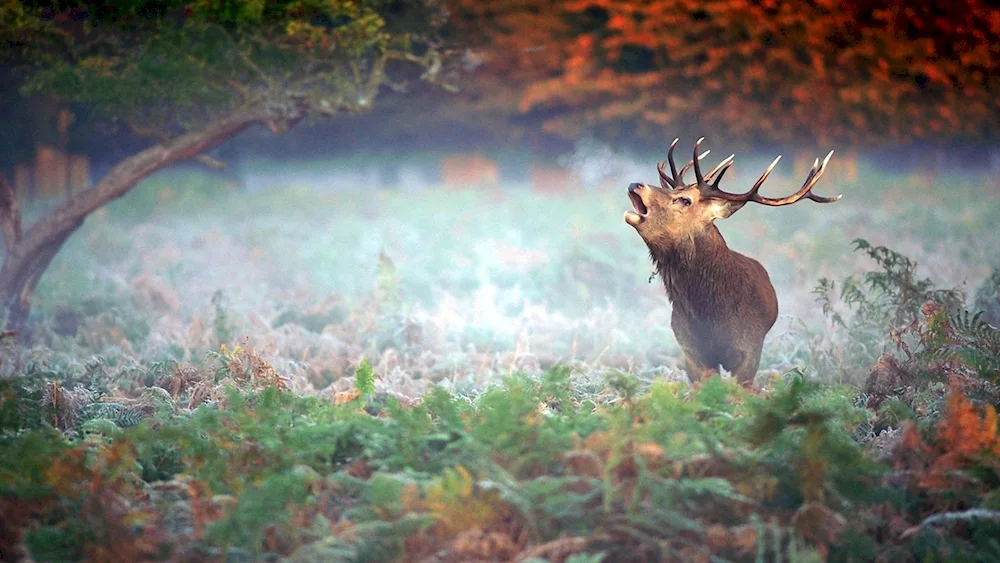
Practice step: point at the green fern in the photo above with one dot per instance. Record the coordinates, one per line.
(221, 324)
(897, 280)
(987, 298)
(364, 379)
(969, 341)
(888, 298)
(122, 415)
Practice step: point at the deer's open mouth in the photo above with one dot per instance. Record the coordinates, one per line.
(635, 217)
(637, 203)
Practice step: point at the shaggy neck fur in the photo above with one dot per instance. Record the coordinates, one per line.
(698, 269)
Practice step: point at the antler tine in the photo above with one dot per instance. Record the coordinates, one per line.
(666, 182)
(697, 168)
(724, 164)
(804, 192)
(684, 169)
(817, 198)
(750, 195)
(722, 172)
(673, 167)
(814, 175)
(763, 177)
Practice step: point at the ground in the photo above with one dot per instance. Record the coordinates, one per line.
(428, 375)
(464, 286)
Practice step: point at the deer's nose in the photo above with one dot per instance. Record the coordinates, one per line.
(636, 186)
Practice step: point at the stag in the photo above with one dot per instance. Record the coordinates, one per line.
(723, 302)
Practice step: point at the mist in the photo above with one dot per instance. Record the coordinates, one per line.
(388, 281)
(319, 262)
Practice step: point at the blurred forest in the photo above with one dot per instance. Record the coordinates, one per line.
(347, 280)
(860, 74)
(817, 72)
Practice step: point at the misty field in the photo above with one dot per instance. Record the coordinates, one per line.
(369, 374)
(462, 287)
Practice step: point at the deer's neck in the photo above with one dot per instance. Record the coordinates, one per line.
(693, 268)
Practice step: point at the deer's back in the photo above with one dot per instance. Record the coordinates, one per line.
(729, 302)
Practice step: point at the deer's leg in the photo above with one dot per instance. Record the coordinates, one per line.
(697, 369)
(744, 368)
(698, 364)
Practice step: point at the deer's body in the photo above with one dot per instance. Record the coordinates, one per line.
(723, 302)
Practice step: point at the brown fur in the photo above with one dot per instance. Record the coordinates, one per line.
(723, 305)
(723, 302)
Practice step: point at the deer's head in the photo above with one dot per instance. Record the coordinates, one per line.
(676, 212)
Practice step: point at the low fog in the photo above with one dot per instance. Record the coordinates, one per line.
(520, 264)
(388, 280)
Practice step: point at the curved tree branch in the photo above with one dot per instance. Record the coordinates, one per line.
(29, 254)
(205, 159)
(291, 67)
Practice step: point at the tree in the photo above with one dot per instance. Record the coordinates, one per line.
(755, 70)
(192, 74)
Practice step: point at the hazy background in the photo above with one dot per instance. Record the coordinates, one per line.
(457, 237)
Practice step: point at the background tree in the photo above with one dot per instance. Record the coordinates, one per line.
(753, 70)
(190, 75)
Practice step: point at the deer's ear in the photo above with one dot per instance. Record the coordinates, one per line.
(721, 209)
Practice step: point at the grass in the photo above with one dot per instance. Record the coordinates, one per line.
(483, 280)
(372, 375)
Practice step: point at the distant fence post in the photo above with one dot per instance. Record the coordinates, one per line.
(553, 179)
(51, 172)
(54, 174)
(79, 172)
(851, 166)
(23, 182)
(465, 171)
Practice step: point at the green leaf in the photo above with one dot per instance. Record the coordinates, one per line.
(364, 381)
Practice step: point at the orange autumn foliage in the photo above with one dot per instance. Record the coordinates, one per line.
(101, 491)
(965, 433)
(964, 437)
(754, 70)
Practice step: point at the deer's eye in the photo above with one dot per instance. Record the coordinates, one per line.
(683, 201)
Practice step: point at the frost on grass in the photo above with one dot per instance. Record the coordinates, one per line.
(383, 377)
(456, 288)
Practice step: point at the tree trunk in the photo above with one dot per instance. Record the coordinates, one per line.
(29, 255)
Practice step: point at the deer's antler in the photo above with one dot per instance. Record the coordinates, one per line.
(676, 179)
(752, 195)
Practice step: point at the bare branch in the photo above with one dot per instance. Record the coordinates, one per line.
(239, 87)
(375, 77)
(356, 72)
(326, 106)
(432, 61)
(209, 161)
(250, 62)
(566, 545)
(953, 517)
(285, 111)
(27, 260)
